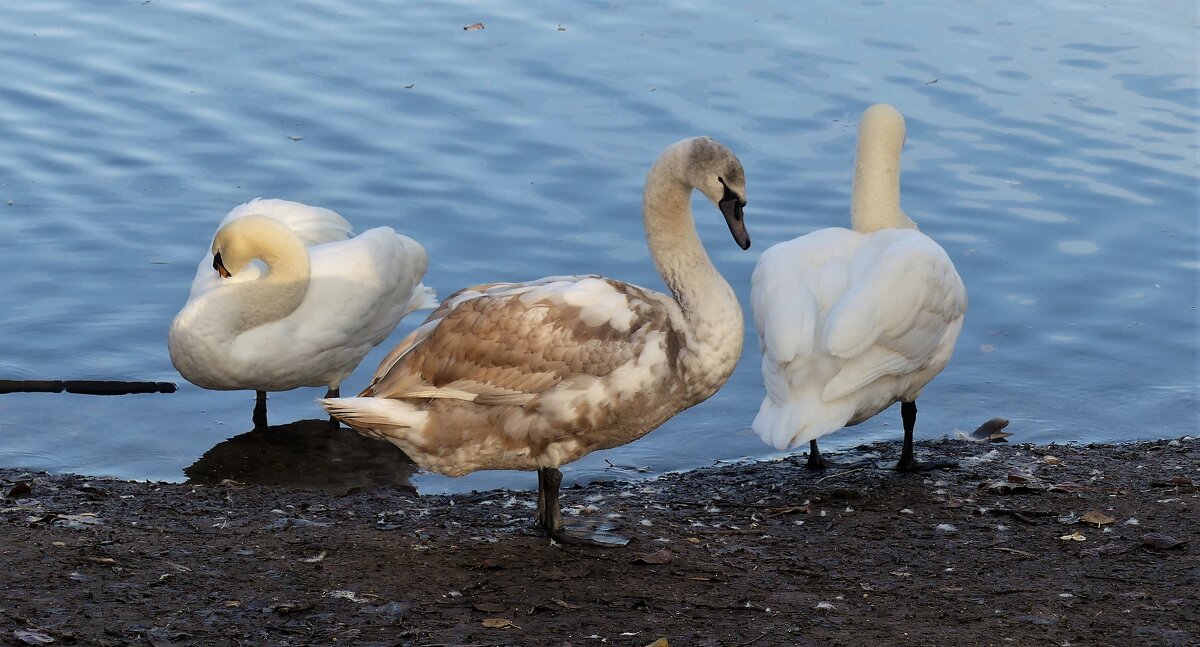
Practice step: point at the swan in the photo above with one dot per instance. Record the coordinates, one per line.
(307, 314)
(530, 376)
(852, 320)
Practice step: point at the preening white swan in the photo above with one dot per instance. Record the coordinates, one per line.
(306, 314)
(534, 375)
(851, 321)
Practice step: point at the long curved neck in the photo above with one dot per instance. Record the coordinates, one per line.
(875, 198)
(710, 307)
(277, 294)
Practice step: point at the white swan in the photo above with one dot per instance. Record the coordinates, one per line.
(851, 321)
(307, 314)
(534, 375)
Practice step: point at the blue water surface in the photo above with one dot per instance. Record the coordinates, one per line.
(1052, 150)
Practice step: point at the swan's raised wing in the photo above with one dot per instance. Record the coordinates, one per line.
(905, 297)
(507, 343)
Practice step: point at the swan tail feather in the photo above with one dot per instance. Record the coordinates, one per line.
(423, 298)
(381, 418)
(787, 425)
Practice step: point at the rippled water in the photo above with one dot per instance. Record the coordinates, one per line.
(1052, 151)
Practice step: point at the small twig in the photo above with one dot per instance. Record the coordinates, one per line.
(843, 473)
(754, 640)
(1014, 550)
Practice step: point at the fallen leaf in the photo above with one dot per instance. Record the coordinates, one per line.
(1075, 536)
(1051, 460)
(564, 604)
(1097, 517)
(657, 557)
(498, 623)
(490, 607)
(474, 27)
(488, 564)
(1013, 477)
(1070, 487)
(1159, 541)
(32, 637)
(661, 642)
(314, 559)
(1007, 487)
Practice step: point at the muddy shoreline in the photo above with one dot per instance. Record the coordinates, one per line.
(1021, 545)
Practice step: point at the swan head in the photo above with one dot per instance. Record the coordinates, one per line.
(875, 195)
(252, 237)
(715, 171)
(882, 126)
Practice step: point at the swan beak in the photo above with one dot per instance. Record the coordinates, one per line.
(219, 266)
(731, 207)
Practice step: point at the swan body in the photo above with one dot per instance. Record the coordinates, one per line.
(851, 321)
(534, 375)
(302, 303)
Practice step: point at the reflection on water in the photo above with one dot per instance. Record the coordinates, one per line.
(1051, 151)
(306, 454)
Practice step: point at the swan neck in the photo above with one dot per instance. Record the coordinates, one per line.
(710, 308)
(280, 291)
(875, 198)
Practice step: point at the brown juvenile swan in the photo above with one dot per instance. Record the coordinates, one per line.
(530, 376)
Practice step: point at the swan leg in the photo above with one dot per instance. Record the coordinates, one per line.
(260, 410)
(817, 462)
(907, 463)
(577, 532)
(333, 392)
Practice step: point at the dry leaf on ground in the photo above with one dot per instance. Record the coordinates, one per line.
(1097, 517)
(1159, 541)
(657, 557)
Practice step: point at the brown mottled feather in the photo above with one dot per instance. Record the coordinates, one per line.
(497, 345)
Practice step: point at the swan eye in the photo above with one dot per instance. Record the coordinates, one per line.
(729, 195)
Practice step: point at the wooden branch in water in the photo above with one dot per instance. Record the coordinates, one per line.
(85, 387)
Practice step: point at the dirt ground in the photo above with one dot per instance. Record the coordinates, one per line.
(1021, 545)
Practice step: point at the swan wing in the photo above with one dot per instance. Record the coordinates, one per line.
(314, 225)
(507, 343)
(904, 300)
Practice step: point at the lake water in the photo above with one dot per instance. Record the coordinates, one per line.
(1052, 150)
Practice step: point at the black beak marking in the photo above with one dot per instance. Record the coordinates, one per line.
(731, 207)
(219, 266)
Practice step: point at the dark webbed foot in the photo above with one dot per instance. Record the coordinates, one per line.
(924, 466)
(907, 462)
(577, 532)
(817, 462)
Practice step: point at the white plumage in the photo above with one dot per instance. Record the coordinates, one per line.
(303, 305)
(537, 374)
(852, 320)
